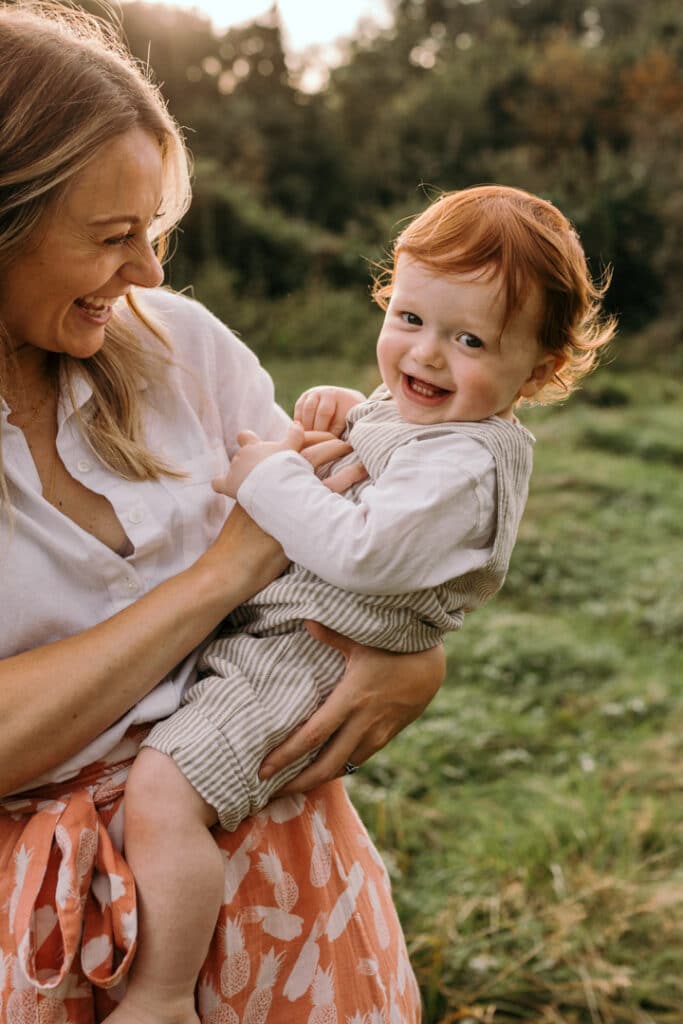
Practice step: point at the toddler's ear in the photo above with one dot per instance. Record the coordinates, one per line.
(542, 372)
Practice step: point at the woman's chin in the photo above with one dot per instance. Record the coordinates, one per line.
(83, 337)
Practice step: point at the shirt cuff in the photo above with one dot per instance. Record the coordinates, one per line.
(259, 488)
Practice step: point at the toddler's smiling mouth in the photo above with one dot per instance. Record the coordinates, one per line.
(421, 389)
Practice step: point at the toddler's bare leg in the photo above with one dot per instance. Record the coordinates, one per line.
(179, 877)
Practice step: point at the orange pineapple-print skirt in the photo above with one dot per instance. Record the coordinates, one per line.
(308, 933)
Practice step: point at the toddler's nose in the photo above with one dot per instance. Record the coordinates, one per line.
(429, 352)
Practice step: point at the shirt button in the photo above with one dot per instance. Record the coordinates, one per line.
(133, 585)
(83, 465)
(136, 515)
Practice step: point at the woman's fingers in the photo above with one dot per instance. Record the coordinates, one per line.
(329, 764)
(314, 733)
(340, 739)
(311, 736)
(379, 694)
(330, 637)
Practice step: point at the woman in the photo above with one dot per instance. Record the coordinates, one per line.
(119, 402)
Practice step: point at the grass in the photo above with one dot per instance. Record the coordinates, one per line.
(532, 820)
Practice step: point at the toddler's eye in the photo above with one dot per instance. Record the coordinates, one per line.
(411, 318)
(469, 340)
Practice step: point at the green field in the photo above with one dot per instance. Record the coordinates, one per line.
(532, 820)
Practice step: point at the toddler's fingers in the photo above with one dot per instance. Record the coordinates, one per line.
(306, 408)
(246, 437)
(346, 477)
(299, 409)
(324, 414)
(316, 436)
(338, 422)
(326, 451)
(295, 436)
(219, 484)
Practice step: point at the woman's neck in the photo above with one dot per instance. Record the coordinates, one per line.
(29, 378)
(29, 373)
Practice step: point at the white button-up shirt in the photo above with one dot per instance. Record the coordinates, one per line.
(56, 579)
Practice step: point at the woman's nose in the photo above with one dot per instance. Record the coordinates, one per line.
(144, 268)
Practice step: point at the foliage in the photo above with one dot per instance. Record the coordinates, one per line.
(583, 104)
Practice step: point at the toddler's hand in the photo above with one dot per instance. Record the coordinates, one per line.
(252, 451)
(325, 408)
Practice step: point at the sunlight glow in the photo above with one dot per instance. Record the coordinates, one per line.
(305, 23)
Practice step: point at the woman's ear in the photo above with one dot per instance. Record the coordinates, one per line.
(546, 367)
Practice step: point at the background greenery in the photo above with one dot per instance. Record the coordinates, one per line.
(532, 820)
(297, 195)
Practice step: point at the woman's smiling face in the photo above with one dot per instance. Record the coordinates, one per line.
(92, 247)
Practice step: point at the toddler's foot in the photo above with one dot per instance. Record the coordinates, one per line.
(139, 1009)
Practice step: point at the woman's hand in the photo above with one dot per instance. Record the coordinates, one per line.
(379, 694)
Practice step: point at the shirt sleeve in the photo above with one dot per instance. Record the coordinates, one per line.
(219, 375)
(243, 390)
(428, 518)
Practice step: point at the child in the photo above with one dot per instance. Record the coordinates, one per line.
(489, 303)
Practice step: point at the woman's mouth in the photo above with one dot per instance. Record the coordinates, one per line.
(422, 391)
(95, 309)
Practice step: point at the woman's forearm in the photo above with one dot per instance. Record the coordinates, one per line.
(57, 698)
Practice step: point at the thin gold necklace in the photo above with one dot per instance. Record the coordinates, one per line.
(48, 493)
(35, 411)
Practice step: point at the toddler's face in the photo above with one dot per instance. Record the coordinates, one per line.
(441, 354)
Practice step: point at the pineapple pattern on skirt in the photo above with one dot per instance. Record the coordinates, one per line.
(307, 933)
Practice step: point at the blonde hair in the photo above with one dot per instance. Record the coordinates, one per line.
(508, 233)
(67, 87)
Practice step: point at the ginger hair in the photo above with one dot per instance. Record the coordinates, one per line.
(527, 243)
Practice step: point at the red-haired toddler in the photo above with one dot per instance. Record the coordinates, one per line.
(489, 303)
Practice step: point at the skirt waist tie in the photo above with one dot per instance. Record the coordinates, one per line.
(71, 888)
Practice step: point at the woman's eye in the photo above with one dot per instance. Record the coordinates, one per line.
(411, 318)
(469, 340)
(120, 239)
